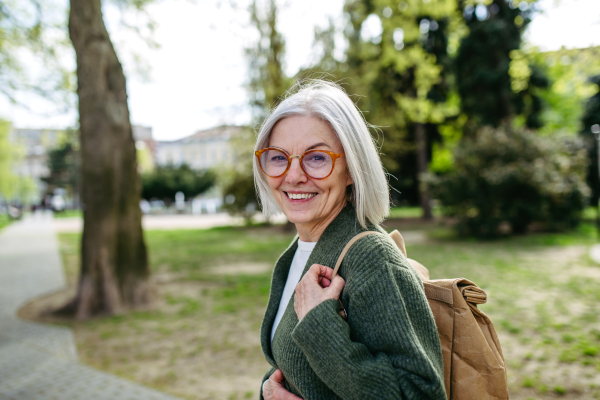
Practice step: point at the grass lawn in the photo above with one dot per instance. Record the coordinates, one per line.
(68, 214)
(201, 341)
(412, 212)
(4, 221)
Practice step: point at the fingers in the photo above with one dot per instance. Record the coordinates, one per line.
(277, 376)
(316, 271)
(336, 286)
(322, 275)
(276, 391)
(327, 273)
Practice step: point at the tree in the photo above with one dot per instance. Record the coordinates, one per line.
(504, 179)
(114, 261)
(28, 31)
(591, 118)
(266, 88)
(569, 71)
(8, 154)
(495, 81)
(164, 182)
(268, 81)
(397, 57)
(13, 188)
(63, 164)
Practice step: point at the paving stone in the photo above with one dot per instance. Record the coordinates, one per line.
(37, 361)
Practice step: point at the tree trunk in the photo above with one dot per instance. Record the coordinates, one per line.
(114, 262)
(422, 168)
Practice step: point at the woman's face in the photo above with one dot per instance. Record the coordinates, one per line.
(327, 196)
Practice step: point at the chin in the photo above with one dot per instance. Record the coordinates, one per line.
(297, 217)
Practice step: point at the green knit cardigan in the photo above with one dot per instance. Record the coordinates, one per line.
(389, 347)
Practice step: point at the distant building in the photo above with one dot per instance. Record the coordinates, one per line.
(202, 150)
(143, 138)
(36, 143)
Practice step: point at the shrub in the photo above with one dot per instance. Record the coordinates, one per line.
(164, 182)
(504, 179)
(239, 194)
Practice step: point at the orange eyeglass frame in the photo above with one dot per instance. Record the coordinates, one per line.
(334, 157)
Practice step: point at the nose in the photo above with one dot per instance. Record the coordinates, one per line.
(295, 174)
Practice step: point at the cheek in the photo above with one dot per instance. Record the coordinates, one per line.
(274, 185)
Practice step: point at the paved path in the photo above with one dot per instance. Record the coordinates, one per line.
(165, 222)
(38, 361)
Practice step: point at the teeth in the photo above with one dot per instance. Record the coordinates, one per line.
(299, 196)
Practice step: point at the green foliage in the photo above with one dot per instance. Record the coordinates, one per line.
(398, 59)
(240, 195)
(494, 79)
(569, 71)
(591, 115)
(165, 181)
(33, 30)
(63, 164)
(8, 153)
(268, 81)
(12, 186)
(5, 220)
(511, 176)
(590, 118)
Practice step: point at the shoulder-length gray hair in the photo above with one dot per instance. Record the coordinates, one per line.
(326, 100)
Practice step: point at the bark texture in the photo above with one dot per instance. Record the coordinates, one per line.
(114, 262)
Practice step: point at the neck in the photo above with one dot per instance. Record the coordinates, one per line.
(311, 232)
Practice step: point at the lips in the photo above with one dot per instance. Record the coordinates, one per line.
(300, 196)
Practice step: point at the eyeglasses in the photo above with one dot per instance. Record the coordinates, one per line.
(318, 164)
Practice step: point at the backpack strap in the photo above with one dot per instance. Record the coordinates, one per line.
(342, 311)
(398, 240)
(395, 236)
(348, 245)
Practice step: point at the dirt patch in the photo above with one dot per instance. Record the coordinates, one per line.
(40, 308)
(179, 346)
(237, 269)
(201, 339)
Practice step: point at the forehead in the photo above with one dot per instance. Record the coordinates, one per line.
(297, 133)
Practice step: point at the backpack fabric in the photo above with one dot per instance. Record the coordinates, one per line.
(474, 365)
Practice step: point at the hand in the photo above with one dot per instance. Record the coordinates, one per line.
(316, 287)
(274, 390)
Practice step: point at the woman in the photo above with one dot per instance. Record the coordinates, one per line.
(317, 163)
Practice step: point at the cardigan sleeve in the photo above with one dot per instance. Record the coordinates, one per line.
(389, 349)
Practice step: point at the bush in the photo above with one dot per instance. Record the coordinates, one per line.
(164, 182)
(505, 179)
(240, 195)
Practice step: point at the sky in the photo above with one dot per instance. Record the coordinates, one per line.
(195, 79)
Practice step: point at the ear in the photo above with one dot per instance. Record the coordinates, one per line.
(349, 180)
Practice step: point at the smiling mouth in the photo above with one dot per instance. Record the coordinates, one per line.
(300, 196)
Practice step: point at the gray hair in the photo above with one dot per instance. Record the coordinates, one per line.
(326, 100)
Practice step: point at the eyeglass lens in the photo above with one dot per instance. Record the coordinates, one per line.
(316, 164)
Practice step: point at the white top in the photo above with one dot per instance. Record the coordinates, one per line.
(298, 263)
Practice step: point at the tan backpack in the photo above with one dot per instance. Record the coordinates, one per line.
(474, 366)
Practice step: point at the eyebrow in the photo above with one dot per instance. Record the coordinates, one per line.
(314, 146)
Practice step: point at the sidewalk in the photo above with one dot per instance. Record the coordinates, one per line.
(39, 361)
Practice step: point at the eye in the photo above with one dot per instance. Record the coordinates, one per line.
(316, 157)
